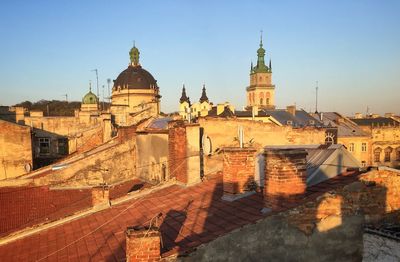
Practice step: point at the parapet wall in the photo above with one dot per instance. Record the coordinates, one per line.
(224, 133)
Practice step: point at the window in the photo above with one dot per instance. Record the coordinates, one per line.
(44, 145)
(312, 122)
(329, 140)
(267, 101)
(364, 147)
(351, 147)
(289, 122)
(62, 146)
(363, 163)
(388, 151)
(377, 155)
(261, 101)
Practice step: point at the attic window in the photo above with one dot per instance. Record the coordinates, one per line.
(289, 122)
(312, 122)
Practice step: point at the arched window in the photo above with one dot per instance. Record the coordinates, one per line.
(329, 140)
(261, 101)
(267, 101)
(377, 154)
(388, 152)
(398, 154)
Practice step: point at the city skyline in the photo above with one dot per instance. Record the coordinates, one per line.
(351, 49)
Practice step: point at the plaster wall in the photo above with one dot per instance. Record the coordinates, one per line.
(152, 156)
(15, 149)
(223, 132)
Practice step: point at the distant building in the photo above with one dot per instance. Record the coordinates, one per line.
(135, 94)
(349, 134)
(261, 91)
(385, 139)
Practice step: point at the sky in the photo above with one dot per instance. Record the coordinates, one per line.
(352, 48)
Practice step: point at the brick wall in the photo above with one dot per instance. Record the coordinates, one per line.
(285, 176)
(177, 151)
(142, 244)
(238, 169)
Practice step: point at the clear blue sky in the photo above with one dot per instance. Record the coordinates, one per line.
(48, 48)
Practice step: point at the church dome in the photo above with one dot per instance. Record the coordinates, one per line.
(135, 77)
(90, 98)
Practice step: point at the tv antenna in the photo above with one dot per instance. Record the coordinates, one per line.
(97, 83)
(316, 97)
(66, 97)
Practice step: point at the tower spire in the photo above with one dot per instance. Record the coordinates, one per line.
(261, 43)
(261, 67)
(90, 86)
(270, 65)
(184, 98)
(203, 95)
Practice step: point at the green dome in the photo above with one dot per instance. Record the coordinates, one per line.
(89, 98)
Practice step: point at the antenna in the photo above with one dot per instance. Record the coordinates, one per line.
(316, 98)
(108, 84)
(97, 82)
(367, 113)
(103, 98)
(66, 97)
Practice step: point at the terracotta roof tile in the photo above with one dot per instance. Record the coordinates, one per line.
(191, 216)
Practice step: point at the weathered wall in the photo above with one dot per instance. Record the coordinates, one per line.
(223, 132)
(329, 228)
(152, 156)
(110, 163)
(378, 248)
(15, 149)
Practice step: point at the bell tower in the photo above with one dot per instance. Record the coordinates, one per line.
(261, 92)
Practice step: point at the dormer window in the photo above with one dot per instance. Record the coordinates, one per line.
(289, 122)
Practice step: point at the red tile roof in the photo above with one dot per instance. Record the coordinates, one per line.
(22, 207)
(191, 216)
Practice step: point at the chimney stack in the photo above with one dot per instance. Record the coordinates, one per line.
(291, 110)
(285, 176)
(143, 244)
(100, 196)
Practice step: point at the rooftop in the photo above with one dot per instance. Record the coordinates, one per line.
(190, 216)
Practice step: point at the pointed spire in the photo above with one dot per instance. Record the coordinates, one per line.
(251, 67)
(184, 98)
(90, 86)
(203, 95)
(261, 43)
(260, 67)
(270, 65)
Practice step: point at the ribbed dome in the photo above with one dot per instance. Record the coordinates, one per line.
(89, 98)
(135, 77)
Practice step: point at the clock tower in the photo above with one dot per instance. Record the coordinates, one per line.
(261, 92)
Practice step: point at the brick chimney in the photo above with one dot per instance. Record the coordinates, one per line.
(238, 171)
(291, 110)
(184, 152)
(143, 244)
(100, 196)
(285, 176)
